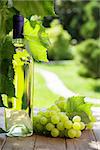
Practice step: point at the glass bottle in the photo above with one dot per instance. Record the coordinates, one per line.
(19, 107)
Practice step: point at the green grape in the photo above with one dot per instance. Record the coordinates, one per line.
(78, 133)
(39, 128)
(55, 132)
(43, 120)
(34, 122)
(71, 133)
(38, 116)
(76, 126)
(55, 108)
(55, 119)
(68, 124)
(89, 125)
(49, 126)
(36, 119)
(52, 113)
(61, 103)
(47, 114)
(92, 118)
(60, 126)
(40, 113)
(61, 98)
(66, 133)
(76, 119)
(82, 126)
(63, 117)
(61, 114)
(62, 133)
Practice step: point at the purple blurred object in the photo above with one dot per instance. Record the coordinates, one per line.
(18, 23)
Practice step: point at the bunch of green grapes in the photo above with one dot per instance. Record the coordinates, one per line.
(53, 122)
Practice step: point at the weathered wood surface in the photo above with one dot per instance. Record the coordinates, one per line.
(86, 142)
(90, 140)
(82, 143)
(2, 141)
(47, 143)
(19, 143)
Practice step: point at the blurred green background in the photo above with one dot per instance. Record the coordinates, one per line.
(74, 51)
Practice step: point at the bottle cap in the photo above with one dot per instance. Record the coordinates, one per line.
(18, 23)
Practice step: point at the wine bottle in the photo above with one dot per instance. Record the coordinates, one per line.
(19, 107)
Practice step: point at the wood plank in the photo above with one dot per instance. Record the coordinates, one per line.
(2, 141)
(19, 143)
(85, 142)
(47, 143)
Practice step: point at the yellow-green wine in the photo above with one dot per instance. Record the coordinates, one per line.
(17, 109)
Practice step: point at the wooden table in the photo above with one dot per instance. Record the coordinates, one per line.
(90, 140)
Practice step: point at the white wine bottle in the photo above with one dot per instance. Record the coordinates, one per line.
(19, 108)
(2, 120)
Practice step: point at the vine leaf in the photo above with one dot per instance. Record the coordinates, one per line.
(36, 39)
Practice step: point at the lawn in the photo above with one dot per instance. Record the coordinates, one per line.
(43, 97)
(67, 72)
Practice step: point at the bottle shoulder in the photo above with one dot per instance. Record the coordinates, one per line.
(21, 57)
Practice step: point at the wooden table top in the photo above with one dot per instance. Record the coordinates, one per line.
(90, 140)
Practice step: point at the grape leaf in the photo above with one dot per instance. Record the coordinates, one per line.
(32, 7)
(37, 39)
(81, 113)
(77, 106)
(6, 67)
(74, 102)
(87, 109)
(6, 48)
(6, 18)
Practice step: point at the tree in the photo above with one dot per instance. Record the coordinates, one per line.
(89, 57)
(80, 18)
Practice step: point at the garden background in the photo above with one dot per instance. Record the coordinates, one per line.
(74, 47)
(74, 53)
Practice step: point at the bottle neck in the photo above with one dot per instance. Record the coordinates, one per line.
(18, 43)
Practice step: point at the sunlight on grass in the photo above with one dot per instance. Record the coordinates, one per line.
(43, 97)
(67, 72)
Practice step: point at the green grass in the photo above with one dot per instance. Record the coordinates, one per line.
(43, 97)
(67, 72)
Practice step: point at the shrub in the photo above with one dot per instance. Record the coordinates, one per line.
(89, 57)
(60, 42)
